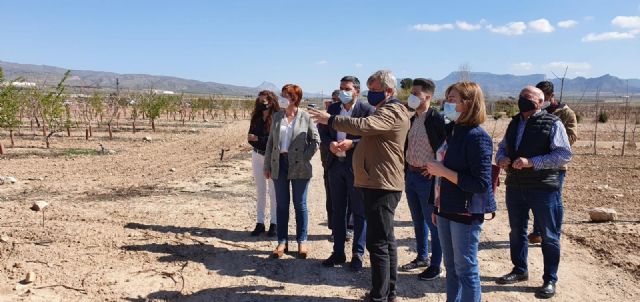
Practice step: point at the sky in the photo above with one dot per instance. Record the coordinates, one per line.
(315, 43)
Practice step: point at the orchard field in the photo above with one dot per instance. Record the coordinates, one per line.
(165, 214)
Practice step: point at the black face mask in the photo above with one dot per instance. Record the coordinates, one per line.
(262, 107)
(526, 105)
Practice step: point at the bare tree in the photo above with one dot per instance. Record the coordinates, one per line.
(626, 117)
(464, 72)
(561, 82)
(595, 133)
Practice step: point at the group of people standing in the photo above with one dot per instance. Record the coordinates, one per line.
(375, 149)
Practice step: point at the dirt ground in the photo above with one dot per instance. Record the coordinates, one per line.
(168, 220)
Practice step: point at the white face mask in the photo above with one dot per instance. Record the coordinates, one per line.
(283, 102)
(414, 101)
(545, 104)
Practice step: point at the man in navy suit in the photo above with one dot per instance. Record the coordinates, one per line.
(339, 162)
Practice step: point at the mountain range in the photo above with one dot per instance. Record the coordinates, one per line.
(494, 85)
(508, 85)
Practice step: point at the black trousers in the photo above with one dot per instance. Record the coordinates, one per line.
(380, 208)
(324, 156)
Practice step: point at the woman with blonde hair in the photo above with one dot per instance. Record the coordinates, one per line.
(463, 192)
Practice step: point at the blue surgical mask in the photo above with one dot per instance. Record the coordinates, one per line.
(375, 97)
(346, 97)
(450, 111)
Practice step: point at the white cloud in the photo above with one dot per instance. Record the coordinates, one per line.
(626, 21)
(468, 26)
(322, 62)
(359, 65)
(541, 26)
(522, 66)
(510, 29)
(567, 23)
(573, 66)
(432, 27)
(607, 36)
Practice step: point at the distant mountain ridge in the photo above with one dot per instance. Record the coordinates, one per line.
(494, 85)
(508, 84)
(107, 80)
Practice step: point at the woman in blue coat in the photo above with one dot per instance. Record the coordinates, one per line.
(463, 192)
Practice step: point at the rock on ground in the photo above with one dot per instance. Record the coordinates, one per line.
(602, 214)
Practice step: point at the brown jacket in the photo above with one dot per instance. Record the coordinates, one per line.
(570, 122)
(378, 160)
(568, 118)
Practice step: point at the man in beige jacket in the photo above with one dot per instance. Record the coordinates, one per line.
(378, 165)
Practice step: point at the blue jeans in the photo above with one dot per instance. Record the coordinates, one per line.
(536, 227)
(299, 190)
(344, 196)
(460, 248)
(548, 210)
(418, 189)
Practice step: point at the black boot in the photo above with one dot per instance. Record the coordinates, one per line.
(272, 230)
(258, 230)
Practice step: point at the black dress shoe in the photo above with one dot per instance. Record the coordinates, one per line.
(367, 298)
(258, 230)
(356, 263)
(547, 290)
(334, 260)
(272, 230)
(512, 277)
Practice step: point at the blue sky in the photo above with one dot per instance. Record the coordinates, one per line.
(314, 43)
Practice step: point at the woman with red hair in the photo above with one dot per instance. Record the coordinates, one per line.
(292, 143)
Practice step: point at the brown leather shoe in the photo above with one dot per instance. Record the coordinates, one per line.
(302, 251)
(280, 250)
(534, 239)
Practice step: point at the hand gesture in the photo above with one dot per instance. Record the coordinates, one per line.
(436, 168)
(521, 163)
(504, 163)
(334, 147)
(319, 116)
(345, 145)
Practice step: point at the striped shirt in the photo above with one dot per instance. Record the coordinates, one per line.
(560, 148)
(419, 150)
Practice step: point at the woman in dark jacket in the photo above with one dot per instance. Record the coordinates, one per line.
(266, 104)
(463, 192)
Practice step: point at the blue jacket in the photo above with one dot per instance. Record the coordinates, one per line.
(328, 134)
(469, 153)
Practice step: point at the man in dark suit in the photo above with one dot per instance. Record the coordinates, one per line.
(324, 155)
(339, 165)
